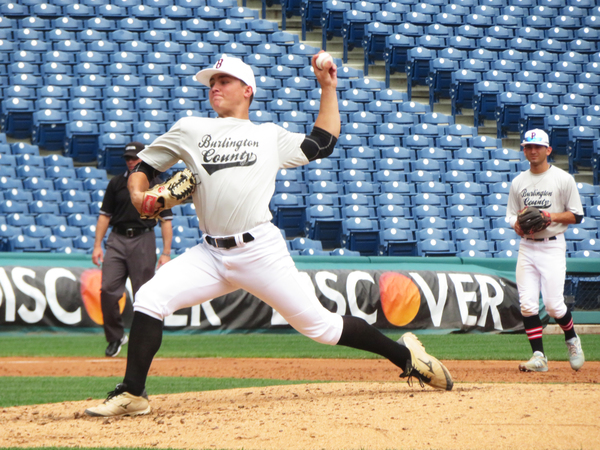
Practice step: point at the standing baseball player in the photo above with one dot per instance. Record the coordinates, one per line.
(235, 163)
(542, 202)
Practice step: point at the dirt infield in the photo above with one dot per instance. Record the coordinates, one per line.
(492, 405)
(296, 369)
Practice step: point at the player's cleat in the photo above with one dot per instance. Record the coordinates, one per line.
(121, 403)
(537, 363)
(424, 367)
(114, 347)
(576, 357)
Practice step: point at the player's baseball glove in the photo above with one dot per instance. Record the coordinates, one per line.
(531, 220)
(165, 195)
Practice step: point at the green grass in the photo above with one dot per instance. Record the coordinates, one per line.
(16, 391)
(34, 390)
(472, 346)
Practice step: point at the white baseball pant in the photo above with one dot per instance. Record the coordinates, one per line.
(542, 265)
(262, 267)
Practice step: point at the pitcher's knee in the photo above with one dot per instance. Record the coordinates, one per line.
(147, 302)
(329, 337)
(528, 310)
(556, 311)
(323, 331)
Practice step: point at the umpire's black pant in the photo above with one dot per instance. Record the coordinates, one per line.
(125, 257)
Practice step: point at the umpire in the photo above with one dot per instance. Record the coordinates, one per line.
(130, 248)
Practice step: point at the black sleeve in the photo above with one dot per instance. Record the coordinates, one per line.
(318, 144)
(146, 169)
(578, 218)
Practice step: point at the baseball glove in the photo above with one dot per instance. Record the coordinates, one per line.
(531, 220)
(165, 195)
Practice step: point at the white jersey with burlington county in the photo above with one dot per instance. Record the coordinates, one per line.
(236, 163)
(554, 191)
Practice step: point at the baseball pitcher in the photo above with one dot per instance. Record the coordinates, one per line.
(234, 163)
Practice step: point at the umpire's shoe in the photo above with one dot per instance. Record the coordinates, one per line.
(121, 403)
(424, 367)
(114, 348)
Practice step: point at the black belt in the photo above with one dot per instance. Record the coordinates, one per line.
(131, 232)
(227, 242)
(552, 238)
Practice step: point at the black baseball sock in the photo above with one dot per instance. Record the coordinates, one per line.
(533, 328)
(566, 323)
(358, 334)
(144, 341)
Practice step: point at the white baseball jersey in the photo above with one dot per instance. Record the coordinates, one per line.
(554, 191)
(235, 161)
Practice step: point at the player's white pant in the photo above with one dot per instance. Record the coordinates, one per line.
(542, 265)
(262, 267)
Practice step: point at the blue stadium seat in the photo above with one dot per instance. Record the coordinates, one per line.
(356, 210)
(23, 243)
(469, 188)
(588, 244)
(69, 207)
(289, 213)
(424, 234)
(508, 113)
(361, 235)
(397, 242)
(581, 147)
(417, 67)
(558, 127)
(66, 231)
(462, 88)
(436, 247)
(464, 199)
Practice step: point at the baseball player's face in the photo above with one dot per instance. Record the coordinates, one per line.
(536, 154)
(228, 96)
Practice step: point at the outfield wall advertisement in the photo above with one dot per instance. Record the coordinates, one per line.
(67, 297)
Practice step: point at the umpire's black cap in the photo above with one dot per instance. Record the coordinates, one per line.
(133, 148)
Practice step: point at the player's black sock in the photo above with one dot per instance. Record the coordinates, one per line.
(566, 323)
(358, 334)
(533, 328)
(144, 341)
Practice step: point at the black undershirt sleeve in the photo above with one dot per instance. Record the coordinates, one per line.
(578, 218)
(318, 144)
(147, 170)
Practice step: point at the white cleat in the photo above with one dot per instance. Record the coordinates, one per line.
(537, 363)
(120, 403)
(427, 369)
(576, 357)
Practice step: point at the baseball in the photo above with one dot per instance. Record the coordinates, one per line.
(322, 59)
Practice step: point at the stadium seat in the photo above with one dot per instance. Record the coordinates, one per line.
(508, 113)
(436, 247)
(23, 243)
(397, 242)
(361, 235)
(417, 67)
(581, 147)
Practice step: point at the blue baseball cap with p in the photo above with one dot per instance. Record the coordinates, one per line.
(536, 137)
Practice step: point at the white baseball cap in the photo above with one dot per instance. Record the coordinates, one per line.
(230, 66)
(536, 136)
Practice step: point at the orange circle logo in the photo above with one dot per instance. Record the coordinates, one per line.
(90, 285)
(400, 298)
